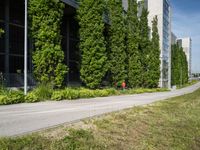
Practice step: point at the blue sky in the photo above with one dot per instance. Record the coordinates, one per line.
(186, 23)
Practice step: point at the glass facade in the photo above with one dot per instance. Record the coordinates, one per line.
(70, 40)
(166, 42)
(12, 42)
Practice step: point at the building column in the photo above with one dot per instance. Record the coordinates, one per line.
(7, 41)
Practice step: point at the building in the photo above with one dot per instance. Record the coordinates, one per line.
(173, 38)
(186, 44)
(161, 9)
(12, 42)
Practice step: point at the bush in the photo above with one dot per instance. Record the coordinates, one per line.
(3, 99)
(86, 93)
(11, 97)
(32, 97)
(67, 93)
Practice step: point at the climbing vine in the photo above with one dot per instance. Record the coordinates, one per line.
(45, 17)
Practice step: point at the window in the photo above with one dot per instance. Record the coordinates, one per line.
(2, 39)
(17, 12)
(16, 40)
(2, 10)
(2, 60)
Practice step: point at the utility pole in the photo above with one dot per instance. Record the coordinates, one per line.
(25, 47)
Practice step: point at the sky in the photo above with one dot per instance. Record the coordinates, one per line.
(186, 23)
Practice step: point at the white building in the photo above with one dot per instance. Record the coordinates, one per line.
(162, 9)
(186, 44)
(173, 38)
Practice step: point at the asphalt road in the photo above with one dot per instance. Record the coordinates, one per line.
(24, 118)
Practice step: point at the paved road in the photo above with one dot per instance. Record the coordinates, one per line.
(24, 118)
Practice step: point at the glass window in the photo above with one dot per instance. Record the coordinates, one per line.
(17, 12)
(16, 40)
(16, 64)
(74, 53)
(2, 10)
(2, 61)
(2, 39)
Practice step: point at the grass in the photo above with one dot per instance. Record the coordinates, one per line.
(171, 124)
(192, 82)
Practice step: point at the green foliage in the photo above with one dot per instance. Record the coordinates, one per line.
(154, 57)
(48, 57)
(117, 55)
(133, 53)
(77, 138)
(11, 97)
(92, 42)
(70, 93)
(2, 82)
(1, 32)
(144, 46)
(42, 92)
(67, 94)
(179, 66)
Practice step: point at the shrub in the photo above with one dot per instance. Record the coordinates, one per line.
(86, 93)
(48, 57)
(71, 94)
(3, 99)
(67, 93)
(44, 91)
(58, 95)
(11, 97)
(32, 97)
(92, 43)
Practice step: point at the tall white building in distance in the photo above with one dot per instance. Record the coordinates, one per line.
(162, 9)
(186, 44)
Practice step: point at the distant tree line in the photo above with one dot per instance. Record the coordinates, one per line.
(129, 55)
(179, 66)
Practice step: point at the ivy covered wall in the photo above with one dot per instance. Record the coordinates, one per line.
(45, 20)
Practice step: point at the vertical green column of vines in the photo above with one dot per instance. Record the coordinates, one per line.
(133, 39)
(45, 17)
(117, 32)
(179, 66)
(92, 42)
(154, 55)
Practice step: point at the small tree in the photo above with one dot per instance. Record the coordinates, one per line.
(117, 55)
(48, 57)
(133, 54)
(154, 55)
(92, 42)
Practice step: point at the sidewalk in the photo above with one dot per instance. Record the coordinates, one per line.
(24, 118)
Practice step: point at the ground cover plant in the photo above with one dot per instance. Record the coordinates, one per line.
(45, 92)
(170, 124)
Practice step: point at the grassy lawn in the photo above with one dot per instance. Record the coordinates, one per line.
(167, 125)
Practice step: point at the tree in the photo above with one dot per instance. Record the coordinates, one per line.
(48, 57)
(117, 55)
(154, 55)
(92, 42)
(133, 54)
(179, 66)
(144, 46)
